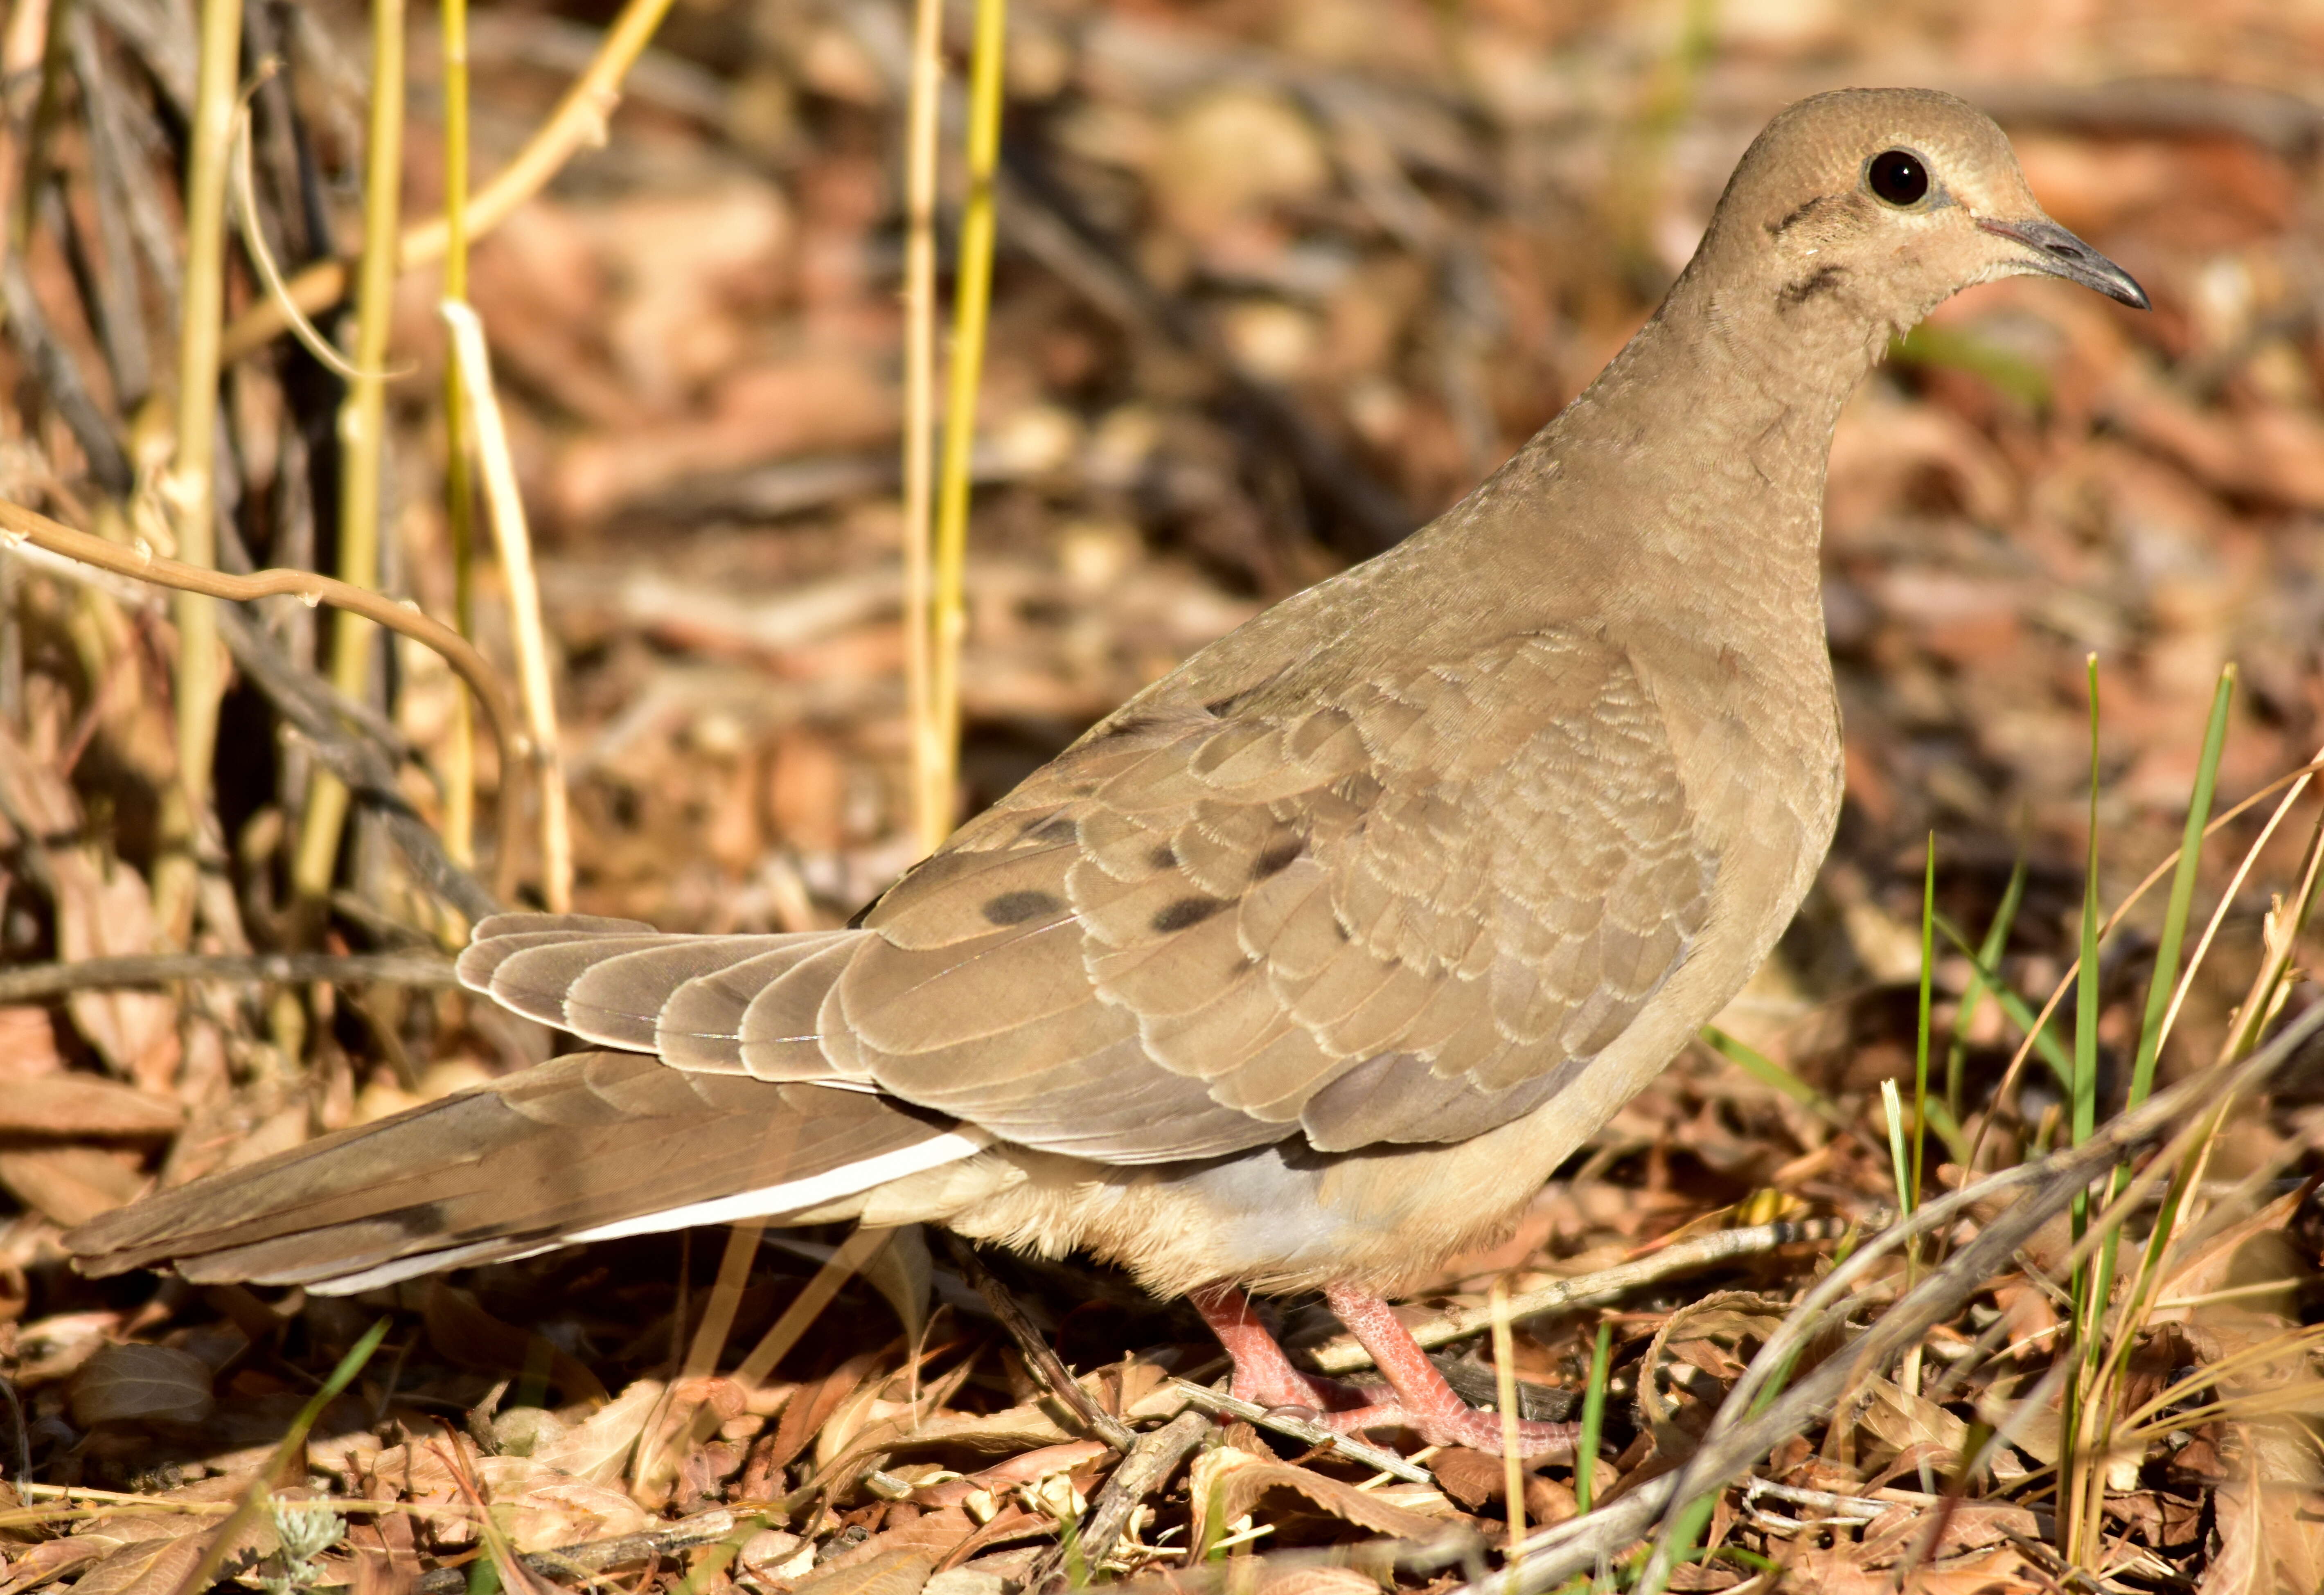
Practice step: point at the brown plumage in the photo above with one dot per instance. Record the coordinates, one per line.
(1308, 964)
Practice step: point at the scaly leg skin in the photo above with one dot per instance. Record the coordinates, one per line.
(1423, 1402)
(1416, 1397)
(1262, 1373)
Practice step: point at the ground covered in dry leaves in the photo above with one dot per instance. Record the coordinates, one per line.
(1278, 279)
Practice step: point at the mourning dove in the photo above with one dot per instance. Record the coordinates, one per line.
(1306, 966)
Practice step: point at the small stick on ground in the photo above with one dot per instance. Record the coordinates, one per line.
(1145, 1468)
(1040, 1357)
(594, 1556)
(1279, 1420)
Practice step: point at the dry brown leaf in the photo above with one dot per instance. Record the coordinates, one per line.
(1319, 1581)
(2206, 1270)
(2000, 1572)
(598, 1449)
(546, 1508)
(68, 1186)
(464, 1334)
(28, 1039)
(84, 1104)
(1228, 1482)
(2241, 1566)
(1901, 1420)
(141, 1384)
(898, 1573)
(29, 1569)
(99, 913)
(156, 1553)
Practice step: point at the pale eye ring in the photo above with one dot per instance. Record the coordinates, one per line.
(1897, 178)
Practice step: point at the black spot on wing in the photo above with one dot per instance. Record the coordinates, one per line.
(1165, 857)
(1015, 907)
(1278, 858)
(1185, 912)
(1057, 827)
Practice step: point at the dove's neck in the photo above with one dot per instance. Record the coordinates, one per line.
(1683, 491)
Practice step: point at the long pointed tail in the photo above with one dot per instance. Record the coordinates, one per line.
(586, 1147)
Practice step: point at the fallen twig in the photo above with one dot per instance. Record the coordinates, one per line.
(1041, 1358)
(1314, 1434)
(1144, 1469)
(594, 1556)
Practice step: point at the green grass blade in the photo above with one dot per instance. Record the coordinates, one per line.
(2046, 1045)
(1987, 956)
(2182, 890)
(1921, 1030)
(1768, 1071)
(1894, 1109)
(1593, 1419)
(2085, 982)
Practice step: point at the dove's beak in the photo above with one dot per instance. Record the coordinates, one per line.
(2055, 250)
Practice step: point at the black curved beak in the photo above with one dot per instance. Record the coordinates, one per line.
(2062, 254)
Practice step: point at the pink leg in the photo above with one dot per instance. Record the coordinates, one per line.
(1262, 1373)
(1423, 1401)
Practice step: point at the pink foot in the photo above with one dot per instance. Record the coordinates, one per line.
(1417, 1397)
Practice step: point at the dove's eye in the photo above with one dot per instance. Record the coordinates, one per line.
(1899, 177)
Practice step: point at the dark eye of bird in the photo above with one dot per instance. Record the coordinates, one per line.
(1898, 177)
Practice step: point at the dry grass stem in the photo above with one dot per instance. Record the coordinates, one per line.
(931, 794)
(577, 122)
(361, 432)
(535, 685)
(191, 489)
(142, 565)
(971, 313)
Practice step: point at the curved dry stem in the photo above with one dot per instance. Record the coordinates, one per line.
(243, 191)
(577, 122)
(18, 523)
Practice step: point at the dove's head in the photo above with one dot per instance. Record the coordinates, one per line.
(1872, 206)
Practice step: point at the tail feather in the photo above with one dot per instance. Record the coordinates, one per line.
(694, 1000)
(584, 1147)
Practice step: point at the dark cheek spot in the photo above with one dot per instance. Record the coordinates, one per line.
(1015, 907)
(1799, 213)
(1185, 912)
(1276, 859)
(1823, 280)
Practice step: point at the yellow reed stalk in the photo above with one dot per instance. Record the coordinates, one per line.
(534, 684)
(190, 489)
(363, 424)
(972, 312)
(459, 497)
(931, 795)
